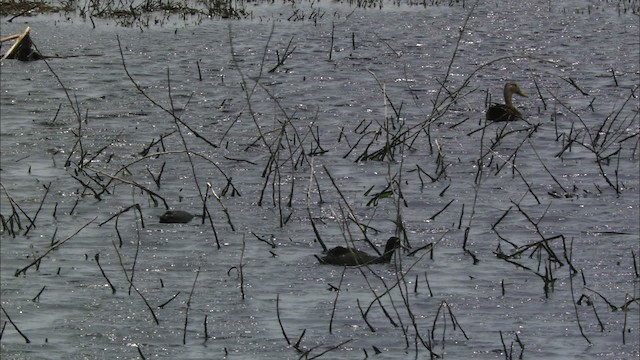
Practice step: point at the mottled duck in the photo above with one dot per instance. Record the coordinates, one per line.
(506, 111)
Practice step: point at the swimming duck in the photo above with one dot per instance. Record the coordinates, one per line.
(176, 217)
(506, 111)
(351, 257)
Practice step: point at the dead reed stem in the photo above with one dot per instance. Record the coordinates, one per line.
(241, 267)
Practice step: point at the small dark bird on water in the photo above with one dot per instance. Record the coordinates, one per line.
(352, 257)
(176, 217)
(506, 111)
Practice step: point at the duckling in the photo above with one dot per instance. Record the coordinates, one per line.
(343, 256)
(506, 111)
(176, 217)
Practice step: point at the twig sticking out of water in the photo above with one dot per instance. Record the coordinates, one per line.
(138, 346)
(154, 196)
(32, 224)
(538, 248)
(97, 257)
(508, 354)
(573, 299)
(170, 111)
(613, 73)
(312, 177)
(13, 221)
(52, 248)
(376, 299)
(591, 303)
(117, 216)
(611, 306)
(284, 143)
(284, 333)
(401, 285)
(269, 241)
(351, 213)
(240, 268)
(186, 312)
(446, 307)
(206, 330)
(613, 132)
(625, 307)
(335, 301)
(154, 142)
(156, 179)
(433, 217)
(203, 195)
(26, 339)
(287, 52)
(448, 72)
(224, 209)
(161, 306)
(36, 298)
(573, 83)
(544, 166)
(544, 103)
(392, 131)
(297, 345)
(131, 286)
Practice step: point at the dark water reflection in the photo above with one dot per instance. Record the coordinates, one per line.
(560, 54)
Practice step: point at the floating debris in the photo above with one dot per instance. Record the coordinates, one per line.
(22, 49)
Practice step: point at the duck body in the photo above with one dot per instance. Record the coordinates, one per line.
(506, 111)
(343, 256)
(176, 217)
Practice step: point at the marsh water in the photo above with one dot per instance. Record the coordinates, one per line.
(519, 237)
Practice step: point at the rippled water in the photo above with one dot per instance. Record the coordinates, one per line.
(578, 62)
